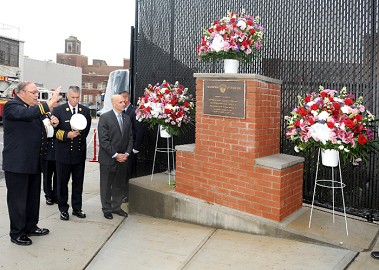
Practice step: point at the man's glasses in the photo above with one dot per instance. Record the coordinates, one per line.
(33, 92)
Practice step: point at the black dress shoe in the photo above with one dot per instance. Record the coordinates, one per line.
(108, 215)
(49, 201)
(22, 240)
(121, 213)
(39, 232)
(78, 213)
(375, 255)
(64, 216)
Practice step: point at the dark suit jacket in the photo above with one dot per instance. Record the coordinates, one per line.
(70, 151)
(138, 128)
(111, 139)
(23, 136)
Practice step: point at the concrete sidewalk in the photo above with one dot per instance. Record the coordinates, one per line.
(144, 242)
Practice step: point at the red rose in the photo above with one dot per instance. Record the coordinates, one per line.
(297, 123)
(330, 124)
(302, 111)
(186, 104)
(337, 106)
(148, 109)
(349, 123)
(307, 99)
(348, 101)
(232, 20)
(249, 22)
(358, 117)
(362, 139)
(167, 91)
(311, 121)
(173, 102)
(314, 107)
(324, 94)
(180, 91)
(331, 99)
(252, 31)
(167, 111)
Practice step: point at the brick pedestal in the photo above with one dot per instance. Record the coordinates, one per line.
(236, 162)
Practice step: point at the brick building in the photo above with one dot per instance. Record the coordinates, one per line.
(94, 77)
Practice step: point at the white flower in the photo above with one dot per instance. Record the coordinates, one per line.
(346, 109)
(241, 24)
(321, 132)
(217, 43)
(323, 115)
(297, 150)
(156, 109)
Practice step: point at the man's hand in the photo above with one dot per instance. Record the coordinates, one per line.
(55, 98)
(72, 134)
(121, 157)
(54, 121)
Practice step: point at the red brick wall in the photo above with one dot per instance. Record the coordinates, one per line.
(222, 169)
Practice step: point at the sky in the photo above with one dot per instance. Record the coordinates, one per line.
(103, 27)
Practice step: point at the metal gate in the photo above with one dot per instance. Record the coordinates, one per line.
(309, 43)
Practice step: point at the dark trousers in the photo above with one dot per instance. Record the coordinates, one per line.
(64, 172)
(23, 194)
(49, 179)
(112, 183)
(131, 171)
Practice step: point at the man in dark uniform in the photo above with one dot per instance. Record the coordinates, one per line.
(138, 135)
(23, 136)
(48, 167)
(70, 154)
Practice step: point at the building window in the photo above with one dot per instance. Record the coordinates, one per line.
(85, 98)
(88, 85)
(9, 52)
(62, 60)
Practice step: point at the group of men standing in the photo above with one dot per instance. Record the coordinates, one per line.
(24, 129)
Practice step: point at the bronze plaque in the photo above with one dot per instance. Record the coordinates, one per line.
(224, 98)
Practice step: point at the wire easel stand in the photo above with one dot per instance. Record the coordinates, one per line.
(169, 149)
(333, 185)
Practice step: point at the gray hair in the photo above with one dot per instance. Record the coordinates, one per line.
(22, 86)
(74, 89)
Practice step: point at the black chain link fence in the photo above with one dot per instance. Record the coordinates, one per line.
(309, 43)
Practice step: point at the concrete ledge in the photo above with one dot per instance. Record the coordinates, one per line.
(279, 161)
(236, 76)
(186, 148)
(155, 198)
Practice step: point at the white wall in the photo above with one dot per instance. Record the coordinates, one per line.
(51, 75)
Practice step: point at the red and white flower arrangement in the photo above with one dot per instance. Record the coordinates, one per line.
(236, 36)
(330, 121)
(168, 105)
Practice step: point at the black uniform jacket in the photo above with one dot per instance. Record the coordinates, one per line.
(23, 136)
(70, 151)
(138, 128)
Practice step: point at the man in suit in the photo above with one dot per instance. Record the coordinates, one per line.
(24, 134)
(138, 135)
(116, 144)
(70, 154)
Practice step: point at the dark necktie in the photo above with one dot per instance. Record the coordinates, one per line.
(119, 118)
(73, 110)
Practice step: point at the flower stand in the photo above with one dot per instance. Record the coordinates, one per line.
(169, 149)
(332, 184)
